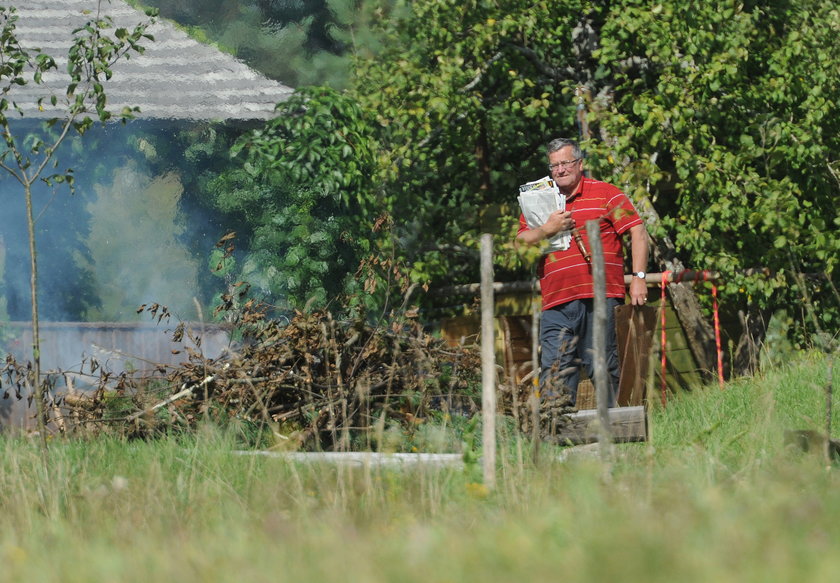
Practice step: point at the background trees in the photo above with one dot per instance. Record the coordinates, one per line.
(724, 116)
(467, 94)
(721, 115)
(297, 42)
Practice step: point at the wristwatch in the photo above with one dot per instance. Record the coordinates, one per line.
(640, 274)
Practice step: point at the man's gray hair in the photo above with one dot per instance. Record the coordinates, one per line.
(559, 143)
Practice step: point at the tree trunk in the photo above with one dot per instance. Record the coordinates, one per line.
(698, 332)
(37, 386)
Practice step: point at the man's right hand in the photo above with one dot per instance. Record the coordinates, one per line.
(558, 221)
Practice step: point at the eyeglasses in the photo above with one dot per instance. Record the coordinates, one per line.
(562, 164)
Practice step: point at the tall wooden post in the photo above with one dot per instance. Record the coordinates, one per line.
(488, 364)
(534, 398)
(599, 337)
(829, 394)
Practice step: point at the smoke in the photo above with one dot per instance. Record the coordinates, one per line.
(134, 247)
(121, 240)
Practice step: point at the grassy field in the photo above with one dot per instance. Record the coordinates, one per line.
(715, 495)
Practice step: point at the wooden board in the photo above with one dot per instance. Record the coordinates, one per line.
(627, 424)
(514, 346)
(634, 334)
(513, 350)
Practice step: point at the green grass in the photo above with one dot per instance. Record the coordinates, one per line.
(714, 496)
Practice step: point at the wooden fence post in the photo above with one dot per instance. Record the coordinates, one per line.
(593, 231)
(488, 364)
(829, 396)
(534, 397)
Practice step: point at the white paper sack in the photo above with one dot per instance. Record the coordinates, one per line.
(538, 199)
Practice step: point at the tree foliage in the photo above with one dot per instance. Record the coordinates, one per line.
(302, 197)
(467, 94)
(727, 115)
(724, 114)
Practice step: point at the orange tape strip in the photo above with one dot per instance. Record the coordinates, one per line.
(663, 339)
(718, 347)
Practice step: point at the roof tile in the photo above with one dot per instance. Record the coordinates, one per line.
(176, 77)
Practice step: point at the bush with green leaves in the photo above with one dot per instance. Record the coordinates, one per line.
(302, 200)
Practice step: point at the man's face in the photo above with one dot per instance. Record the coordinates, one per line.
(565, 169)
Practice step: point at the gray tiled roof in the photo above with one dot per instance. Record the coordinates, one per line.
(176, 78)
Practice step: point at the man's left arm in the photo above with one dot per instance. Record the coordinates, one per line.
(639, 255)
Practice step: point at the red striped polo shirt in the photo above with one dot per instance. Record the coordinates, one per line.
(565, 275)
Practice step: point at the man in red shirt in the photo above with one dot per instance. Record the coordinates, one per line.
(566, 275)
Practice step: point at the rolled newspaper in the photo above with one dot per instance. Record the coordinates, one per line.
(538, 199)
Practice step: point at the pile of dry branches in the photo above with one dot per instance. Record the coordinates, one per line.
(314, 376)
